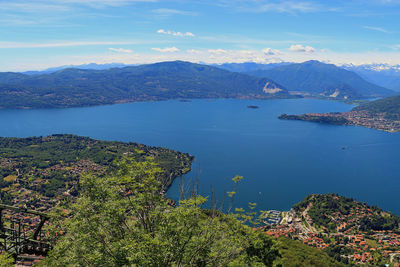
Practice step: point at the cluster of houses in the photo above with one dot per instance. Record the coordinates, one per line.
(25, 190)
(314, 240)
(363, 118)
(377, 121)
(363, 257)
(25, 194)
(76, 168)
(280, 230)
(7, 163)
(365, 247)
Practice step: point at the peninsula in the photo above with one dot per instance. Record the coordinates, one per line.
(382, 114)
(40, 172)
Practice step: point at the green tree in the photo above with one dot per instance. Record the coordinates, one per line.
(123, 220)
(6, 260)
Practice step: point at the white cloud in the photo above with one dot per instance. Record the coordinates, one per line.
(51, 13)
(271, 52)
(396, 47)
(289, 7)
(217, 51)
(281, 6)
(179, 34)
(100, 3)
(390, 1)
(193, 51)
(104, 2)
(166, 49)
(237, 56)
(223, 56)
(32, 6)
(167, 12)
(378, 29)
(59, 44)
(120, 50)
(62, 5)
(301, 48)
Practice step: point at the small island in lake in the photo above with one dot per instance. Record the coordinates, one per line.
(185, 100)
(253, 107)
(382, 114)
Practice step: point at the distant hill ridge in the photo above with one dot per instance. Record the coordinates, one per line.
(115, 83)
(90, 66)
(384, 75)
(249, 66)
(167, 80)
(389, 107)
(320, 79)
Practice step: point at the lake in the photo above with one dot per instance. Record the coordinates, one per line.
(282, 161)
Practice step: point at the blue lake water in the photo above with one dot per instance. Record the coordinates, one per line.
(282, 161)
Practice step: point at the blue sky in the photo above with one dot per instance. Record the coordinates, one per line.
(37, 34)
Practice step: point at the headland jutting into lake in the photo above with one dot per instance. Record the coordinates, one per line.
(382, 114)
(355, 118)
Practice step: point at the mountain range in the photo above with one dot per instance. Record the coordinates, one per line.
(381, 74)
(93, 84)
(320, 79)
(90, 66)
(384, 75)
(167, 80)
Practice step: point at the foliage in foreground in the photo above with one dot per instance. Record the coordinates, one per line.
(6, 260)
(123, 220)
(294, 253)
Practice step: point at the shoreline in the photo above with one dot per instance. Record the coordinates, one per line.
(351, 118)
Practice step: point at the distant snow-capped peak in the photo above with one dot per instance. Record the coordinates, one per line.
(373, 67)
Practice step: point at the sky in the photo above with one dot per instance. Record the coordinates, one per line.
(38, 34)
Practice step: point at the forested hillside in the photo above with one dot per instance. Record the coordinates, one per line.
(326, 80)
(389, 107)
(35, 170)
(160, 81)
